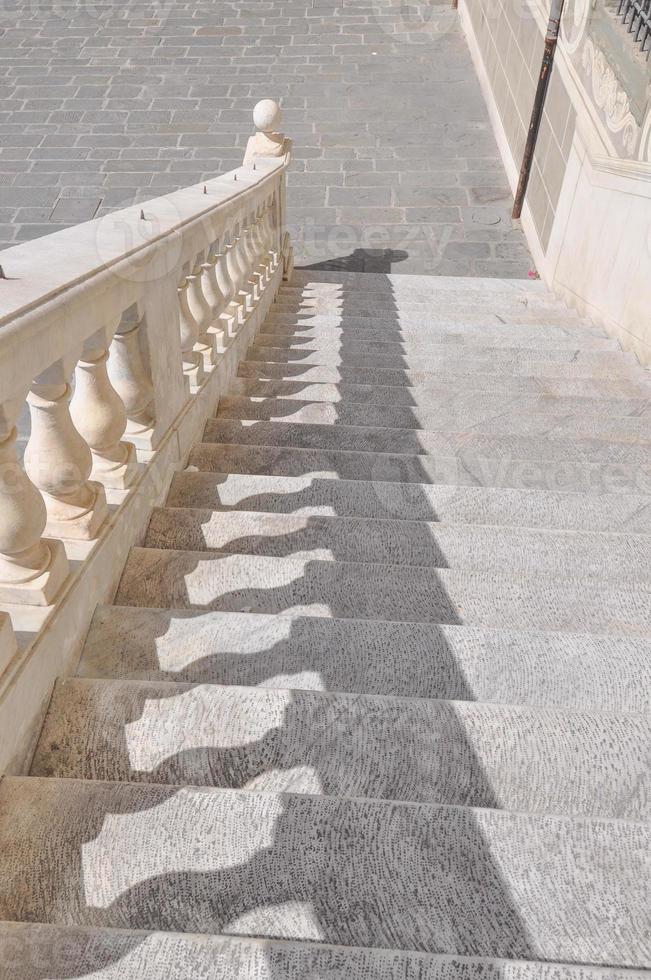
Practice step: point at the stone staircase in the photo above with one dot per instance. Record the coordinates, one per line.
(373, 699)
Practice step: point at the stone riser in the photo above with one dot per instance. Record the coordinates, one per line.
(462, 470)
(444, 359)
(295, 586)
(470, 446)
(82, 953)
(605, 556)
(425, 337)
(401, 659)
(446, 318)
(315, 496)
(351, 872)
(440, 418)
(628, 380)
(625, 397)
(457, 753)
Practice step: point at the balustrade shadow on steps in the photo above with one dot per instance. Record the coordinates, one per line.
(471, 912)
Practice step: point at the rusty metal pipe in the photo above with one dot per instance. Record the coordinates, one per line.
(551, 40)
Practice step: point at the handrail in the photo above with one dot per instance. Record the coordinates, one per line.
(138, 307)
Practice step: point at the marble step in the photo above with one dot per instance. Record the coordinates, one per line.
(502, 421)
(585, 554)
(625, 395)
(463, 469)
(445, 359)
(283, 332)
(539, 760)
(416, 293)
(472, 446)
(392, 283)
(384, 305)
(306, 586)
(316, 496)
(445, 312)
(530, 375)
(412, 660)
(448, 319)
(440, 879)
(121, 954)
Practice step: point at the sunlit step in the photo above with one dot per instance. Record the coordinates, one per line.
(393, 282)
(504, 421)
(437, 317)
(540, 760)
(470, 446)
(355, 872)
(280, 332)
(317, 496)
(462, 469)
(584, 554)
(413, 660)
(307, 586)
(120, 954)
(444, 358)
(410, 391)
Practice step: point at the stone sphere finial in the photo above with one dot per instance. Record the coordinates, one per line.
(267, 116)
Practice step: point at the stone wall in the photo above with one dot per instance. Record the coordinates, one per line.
(588, 208)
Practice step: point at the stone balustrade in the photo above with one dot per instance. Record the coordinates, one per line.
(110, 331)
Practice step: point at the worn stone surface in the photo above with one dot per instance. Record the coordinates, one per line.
(303, 585)
(314, 496)
(537, 760)
(546, 552)
(502, 422)
(425, 442)
(623, 391)
(29, 951)
(392, 373)
(464, 468)
(395, 162)
(570, 670)
(354, 872)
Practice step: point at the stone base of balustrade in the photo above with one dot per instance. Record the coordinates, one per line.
(227, 321)
(8, 645)
(67, 521)
(207, 352)
(43, 588)
(116, 476)
(195, 373)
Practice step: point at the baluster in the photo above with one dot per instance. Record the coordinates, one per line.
(201, 313)
(100, 417)
(256, 274)
(131, 380)
(247, 286)
(273, 236)
(32, 568)
(192, 360)
(59, 462)
(8, 645)
(261, 249)
(235, 275)
(227, 287)
(269, 238)
(259, 245)
(214, 296)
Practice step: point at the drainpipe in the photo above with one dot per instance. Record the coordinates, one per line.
(551, 39)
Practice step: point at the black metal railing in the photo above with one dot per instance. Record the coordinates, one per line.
(636, 16)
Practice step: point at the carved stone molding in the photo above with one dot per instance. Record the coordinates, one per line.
(574, 23)
(645, 141)
(609, 97)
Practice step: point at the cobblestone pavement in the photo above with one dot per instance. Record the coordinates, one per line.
(107, 103)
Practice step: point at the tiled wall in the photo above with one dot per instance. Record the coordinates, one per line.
(511, 47)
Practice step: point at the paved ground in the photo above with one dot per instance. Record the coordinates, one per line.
(396, 166)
